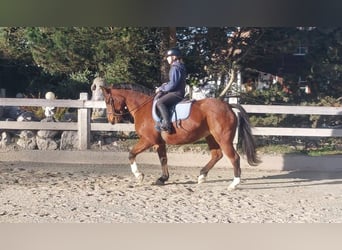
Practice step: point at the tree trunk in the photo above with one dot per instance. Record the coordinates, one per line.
(168, 40)
(229, 84)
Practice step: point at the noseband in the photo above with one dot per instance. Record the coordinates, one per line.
(113, 111)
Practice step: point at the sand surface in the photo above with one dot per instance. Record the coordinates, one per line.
(54, 192)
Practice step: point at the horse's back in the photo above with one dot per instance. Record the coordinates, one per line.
(212, 104)
(216, 111)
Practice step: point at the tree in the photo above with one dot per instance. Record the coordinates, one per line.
(60, 56)
(325, 60)
(216, 53)
(118, 54)
(318, 63)
(60, 50)
(168, 40)
(16, 63)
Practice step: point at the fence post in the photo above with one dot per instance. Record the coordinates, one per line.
(83, 125)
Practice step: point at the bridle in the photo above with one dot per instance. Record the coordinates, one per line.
(120, 112)
(112, 111)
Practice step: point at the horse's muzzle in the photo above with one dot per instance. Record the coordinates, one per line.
(113, 119)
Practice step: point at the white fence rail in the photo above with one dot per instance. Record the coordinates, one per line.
(84, 125)
(295, 110)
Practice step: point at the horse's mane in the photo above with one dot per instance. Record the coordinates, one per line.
(134, 87)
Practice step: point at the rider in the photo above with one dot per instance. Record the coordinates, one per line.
(173, 91)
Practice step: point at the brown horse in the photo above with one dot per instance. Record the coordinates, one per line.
(209, 118)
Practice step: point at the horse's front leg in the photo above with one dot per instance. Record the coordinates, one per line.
(137, 149)
(163, 161)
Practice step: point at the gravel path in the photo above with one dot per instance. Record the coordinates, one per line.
(41, 192)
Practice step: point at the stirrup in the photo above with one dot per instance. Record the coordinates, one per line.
(166, 128)
(158, 127)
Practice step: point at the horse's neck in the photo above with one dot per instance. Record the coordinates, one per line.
(138, 102)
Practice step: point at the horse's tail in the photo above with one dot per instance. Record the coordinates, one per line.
(247, 139)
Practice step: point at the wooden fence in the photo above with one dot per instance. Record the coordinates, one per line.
(84, 125)
(295, 110)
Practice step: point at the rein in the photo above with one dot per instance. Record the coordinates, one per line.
(129, 111)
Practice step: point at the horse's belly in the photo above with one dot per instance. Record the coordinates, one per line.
(183, 136)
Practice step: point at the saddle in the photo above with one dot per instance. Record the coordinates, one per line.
(178, 112)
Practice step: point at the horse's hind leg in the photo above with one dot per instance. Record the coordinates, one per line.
(163, 161)
(234, 158)
(216, 155)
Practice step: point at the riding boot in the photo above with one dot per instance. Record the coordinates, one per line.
(157, 126)
(166, 123)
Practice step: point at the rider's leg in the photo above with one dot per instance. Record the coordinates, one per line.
(163, 104)
(166, 123)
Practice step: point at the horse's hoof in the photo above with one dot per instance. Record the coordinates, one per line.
(234, 184)
(159, 182)
(201, 179)
(140, 177)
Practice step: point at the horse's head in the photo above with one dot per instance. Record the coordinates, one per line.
(115, 104)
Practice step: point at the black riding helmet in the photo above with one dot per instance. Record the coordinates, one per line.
(174, 52)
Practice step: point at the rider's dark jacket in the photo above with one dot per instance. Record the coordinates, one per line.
(177, 76)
